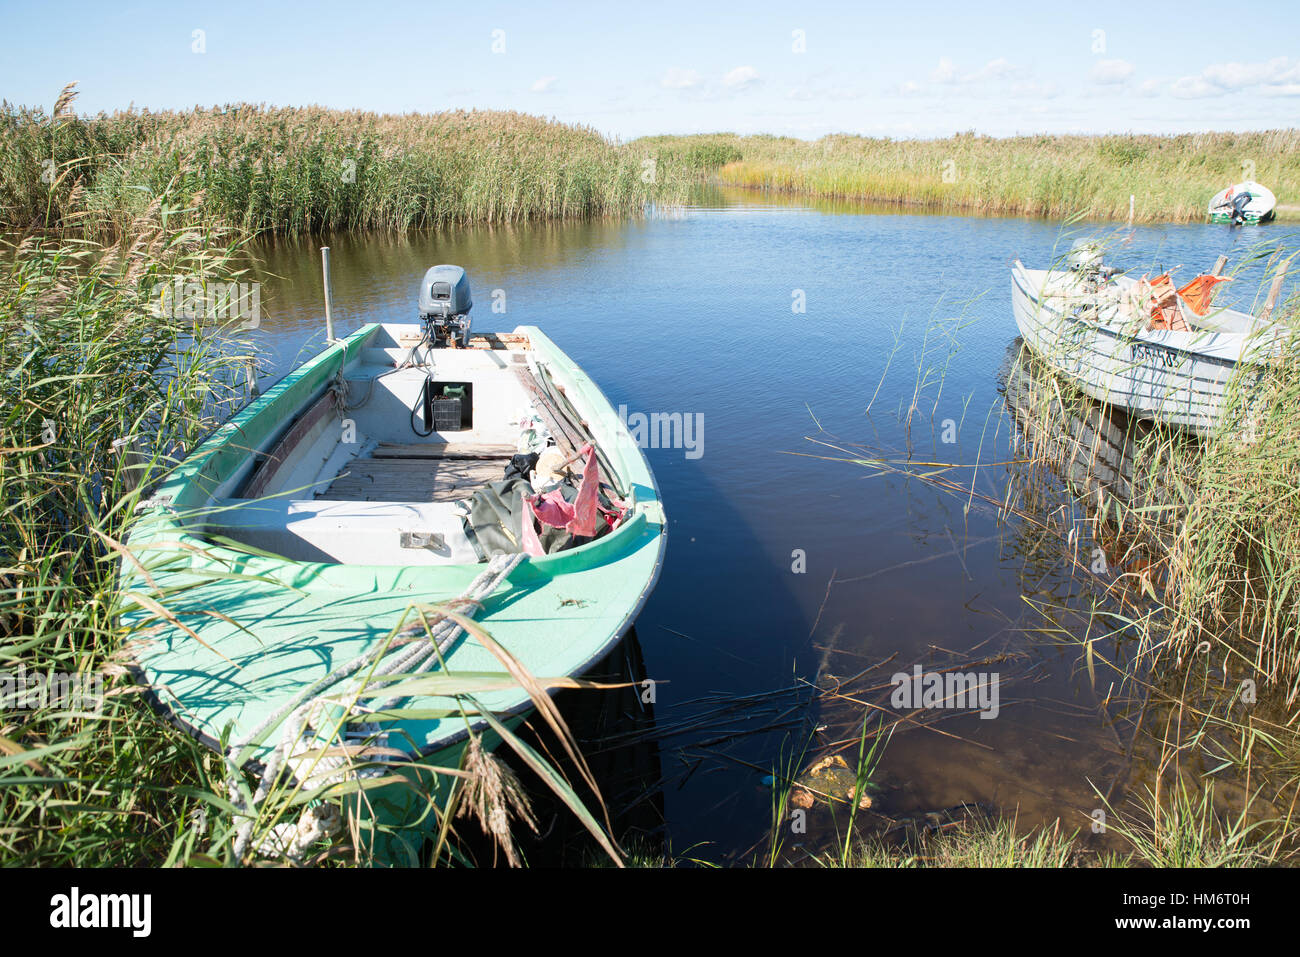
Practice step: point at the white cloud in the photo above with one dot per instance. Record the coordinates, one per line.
(1194, 88)
(1235, 76)
(997, 70)
(679, 79)
(993, 70)
(543, 84)
(1276, 77)
(1112, 71)
(1150, 87)
(740, 77)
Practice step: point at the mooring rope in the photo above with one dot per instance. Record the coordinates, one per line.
(300, 711)
(340, 388)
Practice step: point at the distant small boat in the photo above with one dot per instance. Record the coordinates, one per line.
(1136, 345)
(404, 466)
(1247, 202)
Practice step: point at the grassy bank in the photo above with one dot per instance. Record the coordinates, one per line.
(1170, 177)
(1188, 833)
(303, 170)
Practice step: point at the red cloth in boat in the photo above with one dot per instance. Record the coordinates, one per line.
(1164, 305)
(578, 517)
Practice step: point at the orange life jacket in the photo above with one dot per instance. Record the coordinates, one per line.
(1200, 291)
(1164, 305)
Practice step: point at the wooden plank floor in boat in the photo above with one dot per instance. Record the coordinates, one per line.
(419, 473)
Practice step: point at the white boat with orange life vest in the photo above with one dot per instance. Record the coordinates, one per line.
(1141, 345)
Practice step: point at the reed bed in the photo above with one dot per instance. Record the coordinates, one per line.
(1219, 517)
(305, 170)
(1191, 626)
(1171, 178)
(84, 366)
(1186, 834)
(302, 170)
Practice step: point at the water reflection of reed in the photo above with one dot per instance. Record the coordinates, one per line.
(1085, 500)
(1183, 729)
(1077, 470)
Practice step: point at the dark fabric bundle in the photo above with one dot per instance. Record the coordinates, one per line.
(495, 521)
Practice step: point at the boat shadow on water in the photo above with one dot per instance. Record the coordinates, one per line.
(615, 731)
(681, 749)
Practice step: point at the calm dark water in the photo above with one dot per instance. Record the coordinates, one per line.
(691, 311)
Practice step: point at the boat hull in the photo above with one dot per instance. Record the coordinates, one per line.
(1250, 219)
(243, 632)
(1176, 378)
(1260, 209)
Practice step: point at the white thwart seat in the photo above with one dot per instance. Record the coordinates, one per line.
(354, 533)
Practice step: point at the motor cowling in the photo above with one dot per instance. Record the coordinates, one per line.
(1239, 204)
(1085, 259)
(445, 303)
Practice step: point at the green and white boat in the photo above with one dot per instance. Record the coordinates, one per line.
(370, 481)
(1245, 203)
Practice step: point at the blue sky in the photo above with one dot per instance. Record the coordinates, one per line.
(800, 69)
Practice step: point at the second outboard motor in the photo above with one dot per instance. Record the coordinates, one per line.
(444, 306)
(1239, 204)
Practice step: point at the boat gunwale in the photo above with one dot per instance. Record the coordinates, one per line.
(1162, 338)
(166, 524)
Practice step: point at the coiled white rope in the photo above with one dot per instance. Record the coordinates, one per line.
(301, 731)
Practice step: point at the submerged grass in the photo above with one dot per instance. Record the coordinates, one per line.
(1171, 178)
(1183, 828)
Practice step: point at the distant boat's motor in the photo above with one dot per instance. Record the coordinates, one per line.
(1239, 204)
(444, 305)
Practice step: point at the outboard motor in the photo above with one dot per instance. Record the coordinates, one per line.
(1084, 255)
(444, 306)
(1085, 258)
(1239, 204)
